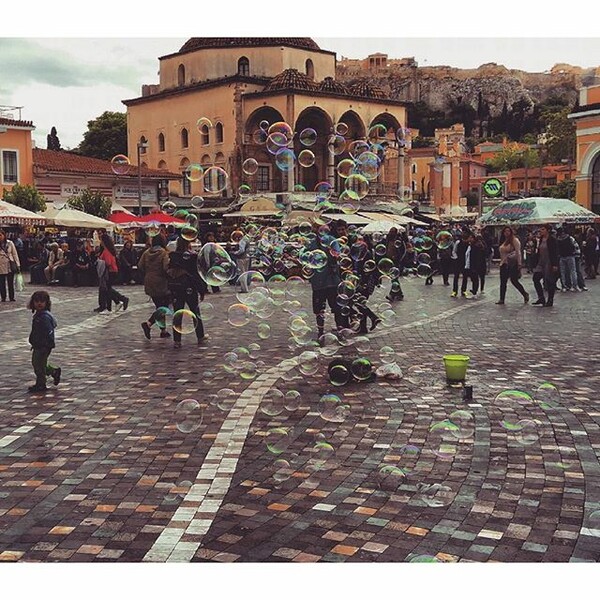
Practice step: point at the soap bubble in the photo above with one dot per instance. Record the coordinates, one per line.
(341, 128)
(527, 432)
(308, 136)
(264, 331)
(238, 315)
(215, 266)
(225, 399)
(188, 415)
(120, 164)
(203, 122)
(284, 159)
(194, 172)
(184, 321)
(282, 470)
(321, 454)
(345, 168)
(332, 409)
(292, 400)
(387, 354)
(362, 369)
(168, 207)
(215, 180)
(548, 395)
(436, 495)
(306, 158)
(188, 233)
(443, 439)
(250, 166)
(339, 375)
(278, 439)
(390, 478)
(273, 403)
(357, 186)
(465, 422)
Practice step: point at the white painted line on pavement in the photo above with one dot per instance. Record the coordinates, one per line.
(23, 429)
(202, 502)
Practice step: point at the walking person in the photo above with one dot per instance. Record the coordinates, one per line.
(109, 256)
(478, 264)
(396, 248)
(185, 284)
(459, 250)
(240, 254)
(9, 265)
(566, 251)
(580, 282)
(545, 267)
(511, 259)
(127, 262)
(324, 283)
(590, 253)
(153, 264)
(42, 340)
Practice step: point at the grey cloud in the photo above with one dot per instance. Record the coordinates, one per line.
(24, 61)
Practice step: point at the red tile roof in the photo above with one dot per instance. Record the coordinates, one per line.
(291, 79)
(67, 162)
(5, 121)
(216, 42)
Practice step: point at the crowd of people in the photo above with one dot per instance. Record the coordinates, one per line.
(342, 265)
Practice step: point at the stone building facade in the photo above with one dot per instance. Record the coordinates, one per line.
(214, 93)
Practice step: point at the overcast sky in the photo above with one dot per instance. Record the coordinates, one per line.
(78, 73)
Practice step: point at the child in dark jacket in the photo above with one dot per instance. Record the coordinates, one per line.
(41, 339)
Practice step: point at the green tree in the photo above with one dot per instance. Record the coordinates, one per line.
(93, 203)
(106, 136)
(25, 196)
(560, 136)
(563, 189)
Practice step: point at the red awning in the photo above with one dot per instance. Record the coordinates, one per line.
(160, 217)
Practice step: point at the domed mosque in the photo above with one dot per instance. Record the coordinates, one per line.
(216, 95)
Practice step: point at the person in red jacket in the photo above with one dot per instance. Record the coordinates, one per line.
(109, 256)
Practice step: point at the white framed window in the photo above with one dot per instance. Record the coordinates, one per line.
(10, 166)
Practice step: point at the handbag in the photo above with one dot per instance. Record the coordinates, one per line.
(13, 266)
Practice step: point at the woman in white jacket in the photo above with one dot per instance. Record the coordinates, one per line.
(9, 265)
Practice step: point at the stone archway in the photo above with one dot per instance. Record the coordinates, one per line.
(388, 180)
(268, 178)
(595, 204)
(315, 118)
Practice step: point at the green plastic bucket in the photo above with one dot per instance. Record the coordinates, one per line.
(456, 367)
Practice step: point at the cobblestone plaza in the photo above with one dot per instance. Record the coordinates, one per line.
(102, 468)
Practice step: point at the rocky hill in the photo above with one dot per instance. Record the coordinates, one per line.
(441, 85)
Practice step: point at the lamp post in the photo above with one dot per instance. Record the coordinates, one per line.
(140, 146)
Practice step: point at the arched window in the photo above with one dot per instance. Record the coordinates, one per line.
(219, 158)
(204, 135)
(186, 184)
(162, 165)
(310, 69)
(219, 133)
(184, 138)
(143, 144)
(596, 186)
(161, 142)
(181, 75)
(243, 66)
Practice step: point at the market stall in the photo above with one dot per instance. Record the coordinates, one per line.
(537, 211)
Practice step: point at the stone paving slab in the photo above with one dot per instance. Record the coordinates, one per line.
(97, 469)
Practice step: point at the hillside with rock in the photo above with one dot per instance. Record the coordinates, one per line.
(440, 86)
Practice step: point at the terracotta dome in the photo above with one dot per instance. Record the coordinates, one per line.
(329, 84)
(366, 90)
(291, 79)
(214, 42)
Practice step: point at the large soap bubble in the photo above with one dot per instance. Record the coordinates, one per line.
(215, 266)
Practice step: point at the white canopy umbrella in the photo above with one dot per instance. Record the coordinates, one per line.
(537, 211)
(381, 227)
(71, 217)
(10, 214)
